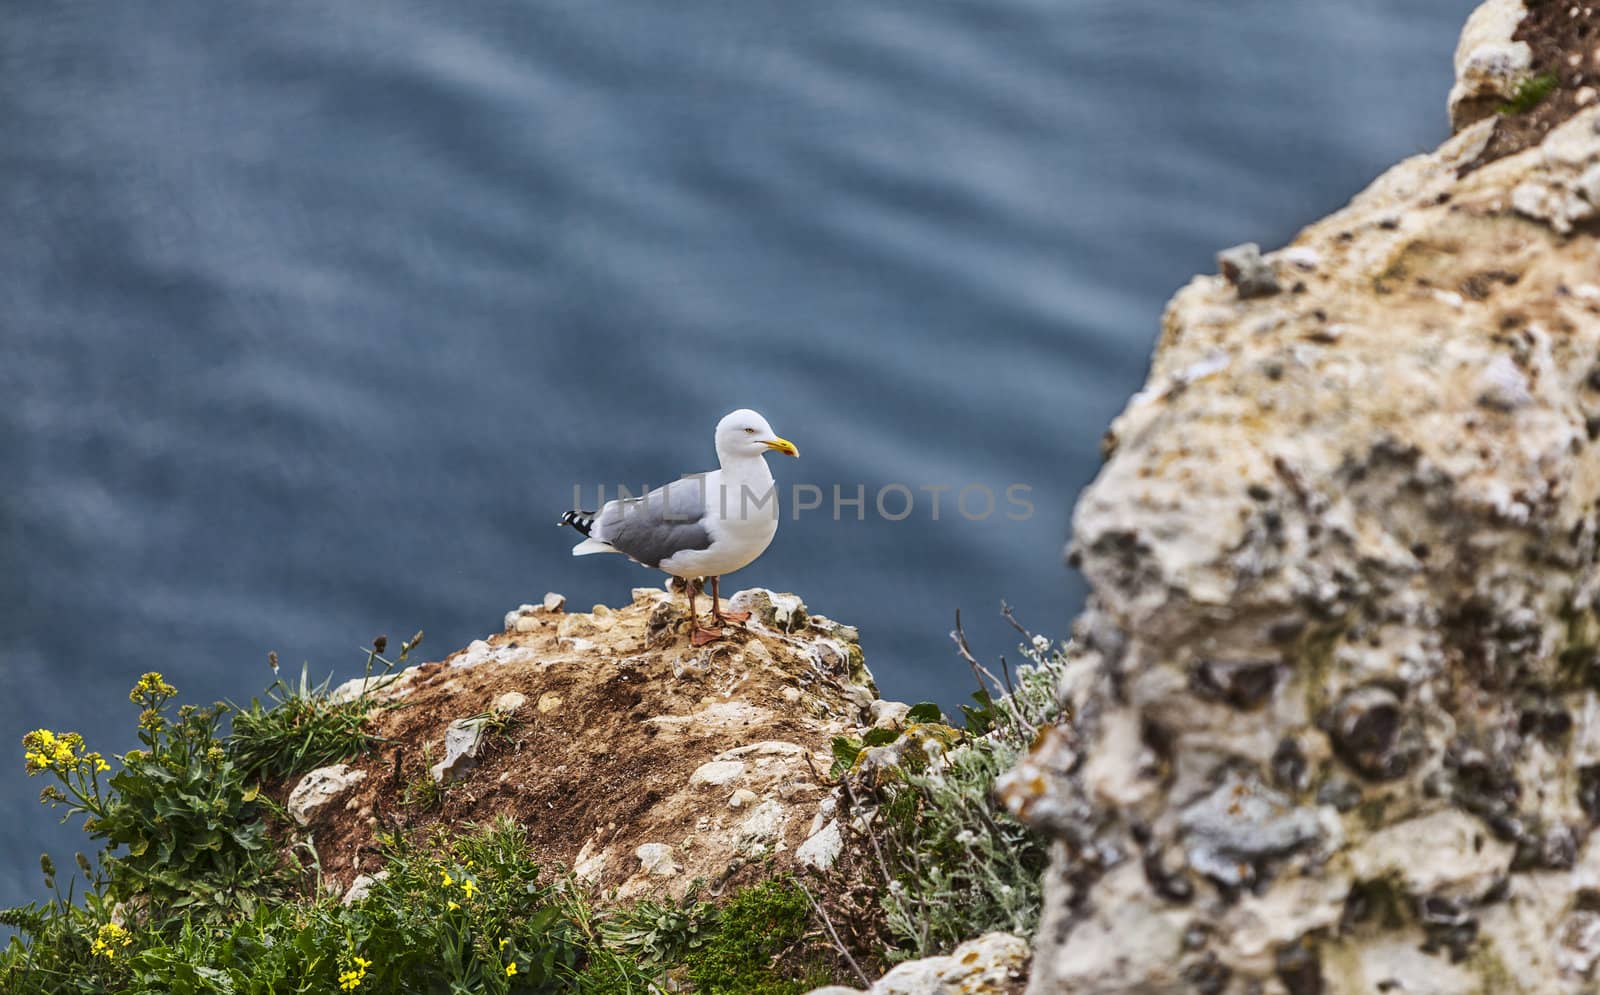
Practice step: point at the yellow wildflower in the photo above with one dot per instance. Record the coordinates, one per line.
(39, 750)
(470, 887)
(445, 880)
(110, 938)
(511, 969)
(350, 979)
(454, 905)
(503, 943)
(44, 750)
(150, 686)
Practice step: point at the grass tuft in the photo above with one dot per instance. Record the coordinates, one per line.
(301, 730)
(1530, 93)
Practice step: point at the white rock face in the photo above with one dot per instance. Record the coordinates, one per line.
(1334, 716)
(761, 828)
(320, 787)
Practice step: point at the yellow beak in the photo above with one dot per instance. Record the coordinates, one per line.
(783, 446)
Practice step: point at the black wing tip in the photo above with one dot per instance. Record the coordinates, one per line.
(583, 521)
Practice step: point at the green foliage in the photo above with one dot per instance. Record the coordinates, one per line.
(1530, 94)
(925, 711)
(754, 930)
(656, 934)
(188, 825)
(422, 793)
(982, 717)
(300, 731)
(190, 897)
(949, 861)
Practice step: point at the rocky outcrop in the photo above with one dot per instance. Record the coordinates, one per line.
(1490, 62)
(992, 964)
(1335, 716)
(640, 761)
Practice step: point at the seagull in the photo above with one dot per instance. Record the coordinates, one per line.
(702, 525)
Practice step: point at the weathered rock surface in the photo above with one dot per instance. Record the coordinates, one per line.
(1335, 714)
(992, 964)
(320, 787)
(642, 762)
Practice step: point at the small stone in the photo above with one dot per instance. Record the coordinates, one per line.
(888, 714)
(717, 773)
(320, 787)
(1241, 824)
(590, 862)
(554, 602)
(1251, 275)
(462, 739)
(655, 859)
(526, 623)
(742, 798)
(1502, 386)
(791, 695)
(360, 887)
(761, 827)
(784, 612)
(1585, 96)
(509, 703)
(821, 850)
(549, 702)
(1368, 734)
(1243, 684)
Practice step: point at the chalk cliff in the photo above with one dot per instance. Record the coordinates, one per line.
(1335, 723)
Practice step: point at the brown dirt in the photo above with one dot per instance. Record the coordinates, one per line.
(1564, 46)
(608, 766)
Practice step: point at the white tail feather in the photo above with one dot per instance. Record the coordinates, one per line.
(588, 546)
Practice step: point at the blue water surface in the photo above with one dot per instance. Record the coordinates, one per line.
(312, 314)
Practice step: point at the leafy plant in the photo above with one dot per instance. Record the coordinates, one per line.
(189, 825)
(949, 862)
(656, 934)
(1530, 93)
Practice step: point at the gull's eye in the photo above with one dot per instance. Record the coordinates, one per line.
(749, 431)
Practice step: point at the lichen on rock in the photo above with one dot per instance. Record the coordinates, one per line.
(1334, 696)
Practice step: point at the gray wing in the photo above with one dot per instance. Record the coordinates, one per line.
(652, 528)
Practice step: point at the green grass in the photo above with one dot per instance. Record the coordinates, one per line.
(1530, 94)
(299, 731)
(753, 932)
